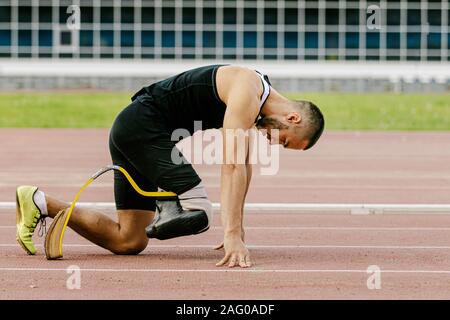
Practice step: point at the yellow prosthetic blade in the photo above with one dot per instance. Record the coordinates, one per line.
(50, 250)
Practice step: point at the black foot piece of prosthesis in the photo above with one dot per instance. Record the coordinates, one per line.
(172, 221)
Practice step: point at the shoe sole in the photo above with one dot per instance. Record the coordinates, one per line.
(18, 222)
(51, 245)
(179, 227)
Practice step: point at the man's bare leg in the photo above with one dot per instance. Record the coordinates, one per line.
(124, 237)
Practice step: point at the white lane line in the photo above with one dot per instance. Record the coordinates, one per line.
(327, 228)
(322, 208)
(226, 270)
(194, 246)
(347, 228)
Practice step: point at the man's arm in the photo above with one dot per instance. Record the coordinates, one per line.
(248, 166)
(249, 177)
(242, 108)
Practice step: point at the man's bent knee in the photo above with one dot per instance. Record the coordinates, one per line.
(130, 247)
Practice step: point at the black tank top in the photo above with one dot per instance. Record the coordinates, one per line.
(188, 97)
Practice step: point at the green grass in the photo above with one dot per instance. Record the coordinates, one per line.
(342, 111)
(61, 110)
(383, 111)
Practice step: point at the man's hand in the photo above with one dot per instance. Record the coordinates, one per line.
(236, 254)
(220, 246)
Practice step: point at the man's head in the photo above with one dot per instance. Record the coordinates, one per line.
(299, 129)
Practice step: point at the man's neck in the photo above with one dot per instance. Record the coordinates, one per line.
(275, 104)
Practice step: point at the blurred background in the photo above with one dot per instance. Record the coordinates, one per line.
(357, 46)
(381, 65)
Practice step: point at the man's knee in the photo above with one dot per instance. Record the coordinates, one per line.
(131, 247)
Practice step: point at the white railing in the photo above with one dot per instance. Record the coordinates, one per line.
(393, 71)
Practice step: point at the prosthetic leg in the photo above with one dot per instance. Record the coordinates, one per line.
(187, 214)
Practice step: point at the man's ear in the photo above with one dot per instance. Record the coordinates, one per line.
(294, 117)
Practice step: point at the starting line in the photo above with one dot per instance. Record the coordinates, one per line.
(303, 208)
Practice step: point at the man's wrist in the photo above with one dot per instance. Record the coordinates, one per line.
(235, 232)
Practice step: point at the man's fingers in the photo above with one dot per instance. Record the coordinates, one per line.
(248, 263)
(223, 261)
(242, 262)
(233, 261)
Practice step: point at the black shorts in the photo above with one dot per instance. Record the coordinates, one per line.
(140, 143)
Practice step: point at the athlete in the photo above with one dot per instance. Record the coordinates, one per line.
(225, 97)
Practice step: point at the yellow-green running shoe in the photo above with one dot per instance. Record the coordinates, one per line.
(27, 217)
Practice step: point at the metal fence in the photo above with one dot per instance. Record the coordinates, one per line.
(226, 29)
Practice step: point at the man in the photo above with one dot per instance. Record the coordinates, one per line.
(220, 96)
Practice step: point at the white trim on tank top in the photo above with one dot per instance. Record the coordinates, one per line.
(266, 91)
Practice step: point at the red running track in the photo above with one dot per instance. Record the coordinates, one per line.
(297, 256)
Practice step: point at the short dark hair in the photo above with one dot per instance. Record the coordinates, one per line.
(313, 118)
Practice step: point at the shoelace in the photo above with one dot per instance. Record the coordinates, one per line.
(42, 227)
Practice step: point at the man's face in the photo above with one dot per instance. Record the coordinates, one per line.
(284, 131)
